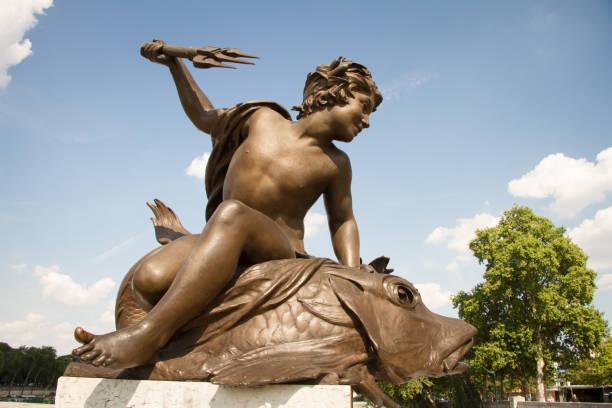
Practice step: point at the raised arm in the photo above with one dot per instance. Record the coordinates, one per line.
(339, 207)
(196, 105)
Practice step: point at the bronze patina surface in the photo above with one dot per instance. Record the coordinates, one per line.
(241, 303)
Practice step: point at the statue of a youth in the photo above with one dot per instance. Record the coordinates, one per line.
(264, 174)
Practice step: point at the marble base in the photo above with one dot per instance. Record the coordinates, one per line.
(75, 392)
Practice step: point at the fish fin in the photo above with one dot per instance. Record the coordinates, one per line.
(167, 225)
(320, 300)
(369, 388)
(334, 314)
(362, 279)
(380, 265)
(364, 307)
(292, 362)
(127, 310)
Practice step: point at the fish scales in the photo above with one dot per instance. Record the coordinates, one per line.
(287, 323)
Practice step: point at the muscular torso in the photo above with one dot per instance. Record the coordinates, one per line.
(280, 173)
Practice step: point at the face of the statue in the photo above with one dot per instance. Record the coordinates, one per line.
(348, 120)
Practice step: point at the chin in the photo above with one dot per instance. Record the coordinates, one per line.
(348, 138)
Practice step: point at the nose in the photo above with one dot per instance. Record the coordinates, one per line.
(365, 122)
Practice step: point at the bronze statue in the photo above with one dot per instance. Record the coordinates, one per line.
(234, 304)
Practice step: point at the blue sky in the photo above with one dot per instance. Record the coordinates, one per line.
(487, 104)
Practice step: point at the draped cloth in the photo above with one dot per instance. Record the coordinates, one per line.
(227, 135)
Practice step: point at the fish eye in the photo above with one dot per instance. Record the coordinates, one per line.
(404, 295)
(401, 292)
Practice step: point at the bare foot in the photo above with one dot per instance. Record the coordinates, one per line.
(131, 346)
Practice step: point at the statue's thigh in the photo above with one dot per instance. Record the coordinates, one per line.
(266, 241)
(237, 229)
(157, 272)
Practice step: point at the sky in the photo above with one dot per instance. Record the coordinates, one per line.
(487, 104)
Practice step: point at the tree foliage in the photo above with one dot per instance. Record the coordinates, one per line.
(27, 365)
(427, 392)
(410, 394)
(535, 303)
(596, 370)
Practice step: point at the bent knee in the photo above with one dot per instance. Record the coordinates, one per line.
(230, 212)
(151, 278)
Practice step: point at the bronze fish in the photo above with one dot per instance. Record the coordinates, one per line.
(309, 321)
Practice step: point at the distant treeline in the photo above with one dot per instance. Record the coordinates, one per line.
(25, 365)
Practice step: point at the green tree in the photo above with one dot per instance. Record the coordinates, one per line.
(60, 366)
(535, 304)
(596, 370)
(463, 391)
(3, 356)
(13, 365)
(410, 394)
(427, 392)
(25, 365)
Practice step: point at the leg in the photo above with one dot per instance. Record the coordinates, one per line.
(154, 275)
(235, 232)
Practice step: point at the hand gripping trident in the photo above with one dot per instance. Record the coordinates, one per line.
(205, 57)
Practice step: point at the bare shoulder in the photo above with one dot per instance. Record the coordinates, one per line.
(341, 160)
(264, 115)
(263, 118)
(339, 186)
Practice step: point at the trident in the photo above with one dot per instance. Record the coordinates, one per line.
(206, 57)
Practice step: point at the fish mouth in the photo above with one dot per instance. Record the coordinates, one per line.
(451, 364)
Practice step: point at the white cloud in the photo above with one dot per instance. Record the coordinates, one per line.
(197, 168)
(108, 317)
(594, 236)
(312, 223)
(34, 330)
(20, 268)
(63, 333)
(405, 83)
(40, 330)
(20, 332)
(453, 266)
(17, 17)
(605, 282)
(34, 318)
(31, 319)
(573, 183)
(458, 238)
(114, 250)
(62, 288)
(432, 295)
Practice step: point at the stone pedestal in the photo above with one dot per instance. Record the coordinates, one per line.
(515, 399)
(75, 392)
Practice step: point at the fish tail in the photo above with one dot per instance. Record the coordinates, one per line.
(167, 225)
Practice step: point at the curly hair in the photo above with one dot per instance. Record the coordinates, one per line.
(334, 83)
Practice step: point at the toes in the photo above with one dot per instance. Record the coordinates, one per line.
(99, 360)
(82, 336)
(83, 349)
(90, 356)
(108, 362)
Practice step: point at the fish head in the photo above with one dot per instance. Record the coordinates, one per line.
(410, 340)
